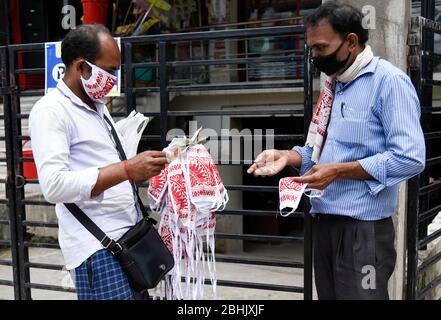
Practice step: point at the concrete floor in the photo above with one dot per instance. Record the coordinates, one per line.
(225, 271)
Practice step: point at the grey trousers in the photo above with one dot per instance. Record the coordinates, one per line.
(353, 259)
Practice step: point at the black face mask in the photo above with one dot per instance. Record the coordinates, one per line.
(329, 64)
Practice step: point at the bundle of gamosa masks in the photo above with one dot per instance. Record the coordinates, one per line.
(187, 194)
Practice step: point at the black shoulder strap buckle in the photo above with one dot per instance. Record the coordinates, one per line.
(111, 245)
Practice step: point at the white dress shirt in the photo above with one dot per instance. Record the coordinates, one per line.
(70, 141)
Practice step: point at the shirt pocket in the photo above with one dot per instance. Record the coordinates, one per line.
(352, 132)
(354, 112)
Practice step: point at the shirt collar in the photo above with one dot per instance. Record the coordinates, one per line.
(370, 68)
(65, 90)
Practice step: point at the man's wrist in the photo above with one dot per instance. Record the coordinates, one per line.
(126, 170)
(293, 158)
(340, 170)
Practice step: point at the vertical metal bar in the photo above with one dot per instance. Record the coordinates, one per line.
(130, 95)
(191, 58)
(247, 64)
(426, 98)
(412, 237)
(6, 21)
(10, 174)
(428, 9)
(412, 206)
(308, 245)
(23, 252)
(164, 94)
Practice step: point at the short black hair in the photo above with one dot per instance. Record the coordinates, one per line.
(343, 17)
(82, 42)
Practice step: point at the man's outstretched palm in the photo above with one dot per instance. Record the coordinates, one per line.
(269, 163)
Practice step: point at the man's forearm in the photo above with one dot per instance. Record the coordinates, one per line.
(351, 170)
(108, 177)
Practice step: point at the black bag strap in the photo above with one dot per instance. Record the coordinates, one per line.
(108, 243)
(119, 147)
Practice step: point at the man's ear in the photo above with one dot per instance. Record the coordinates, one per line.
(78, 65)
(353, 41)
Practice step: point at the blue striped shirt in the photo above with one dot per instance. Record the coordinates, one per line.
(375, 121)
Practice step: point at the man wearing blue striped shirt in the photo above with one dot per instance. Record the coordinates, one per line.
(372, 142)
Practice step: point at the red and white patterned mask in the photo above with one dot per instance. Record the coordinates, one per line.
(290, 194)
(99, 84)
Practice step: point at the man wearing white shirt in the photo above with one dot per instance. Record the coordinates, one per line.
(77, 162)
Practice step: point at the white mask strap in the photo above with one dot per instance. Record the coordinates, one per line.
(100, 69)
(313, 193)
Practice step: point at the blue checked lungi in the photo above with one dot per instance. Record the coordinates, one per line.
(101, 277)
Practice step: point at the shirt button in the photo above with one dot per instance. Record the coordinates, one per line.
(340, 93)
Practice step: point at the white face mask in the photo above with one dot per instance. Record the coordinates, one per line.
(99, 84)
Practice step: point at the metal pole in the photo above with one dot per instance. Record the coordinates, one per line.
(416, 74)
(10, 179)
(412, 238)
(164, 94)
(428, 9)
(6, 21)
(428, 12)
(130, 96)
(23, 252)
(308, 245)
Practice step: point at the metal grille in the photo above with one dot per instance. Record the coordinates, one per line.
(164, 67)
(423, 192)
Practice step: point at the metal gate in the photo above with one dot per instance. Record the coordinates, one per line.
(424, 192)
(165, 66)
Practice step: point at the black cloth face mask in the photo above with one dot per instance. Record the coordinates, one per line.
(329, 64)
